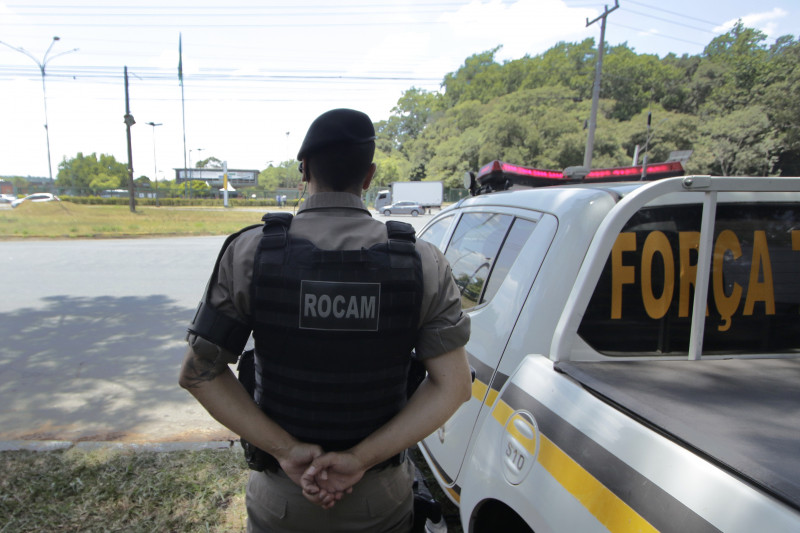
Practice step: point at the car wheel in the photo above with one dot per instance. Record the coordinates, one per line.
(386, 212)
(414, 213)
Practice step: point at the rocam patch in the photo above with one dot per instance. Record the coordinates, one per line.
(339, 306)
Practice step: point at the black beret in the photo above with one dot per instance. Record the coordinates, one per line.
(337, 126)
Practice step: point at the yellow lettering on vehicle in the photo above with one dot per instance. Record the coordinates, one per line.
(727, 295)
(687, 241)
(620, 274)
(657, 243)
(726, 304)
(760, 291)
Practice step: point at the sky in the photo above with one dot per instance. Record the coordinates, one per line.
(256, 73)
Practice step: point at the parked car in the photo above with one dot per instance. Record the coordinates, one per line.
(36, 197)
(7, 198)
(403, 208)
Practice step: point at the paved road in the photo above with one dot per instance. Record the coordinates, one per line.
(91, 338)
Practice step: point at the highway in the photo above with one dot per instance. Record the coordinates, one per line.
(91, 338)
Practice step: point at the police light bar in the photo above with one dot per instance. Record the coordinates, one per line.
(499, 166)
(499, 175)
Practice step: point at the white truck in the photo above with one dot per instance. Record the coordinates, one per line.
(635, 348)
(428, 194)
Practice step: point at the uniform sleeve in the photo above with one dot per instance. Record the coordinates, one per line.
(444, 327)
(231, 292)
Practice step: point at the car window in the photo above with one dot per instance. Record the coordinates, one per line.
(435, 233)
(643, 300)
(516, 239)
(472, 251)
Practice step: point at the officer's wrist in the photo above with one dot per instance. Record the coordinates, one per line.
(364, 457)
(282, 450)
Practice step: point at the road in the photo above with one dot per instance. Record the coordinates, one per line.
(91, 338)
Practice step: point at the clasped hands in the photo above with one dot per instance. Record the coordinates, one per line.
(324, 477)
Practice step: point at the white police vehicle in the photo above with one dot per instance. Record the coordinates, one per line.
(636, 351)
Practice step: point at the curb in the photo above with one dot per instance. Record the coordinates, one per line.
(56, 445)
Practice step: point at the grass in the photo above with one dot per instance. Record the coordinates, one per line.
(113, 489)
(116, 490)
(65, 220)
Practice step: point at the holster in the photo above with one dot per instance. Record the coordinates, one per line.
(257, 459)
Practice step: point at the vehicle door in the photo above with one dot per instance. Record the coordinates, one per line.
(482, 246)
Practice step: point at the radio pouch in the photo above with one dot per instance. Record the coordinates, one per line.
(256, 458)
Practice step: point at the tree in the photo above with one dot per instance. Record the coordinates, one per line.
(211, 162)
(284, 176)
(104, 181)
(199, 188)
(740, 143)
(742, 54)
(736, 105)
(568, 65)
(634, 81)
(781, 100)
(391, 167)
(478, 79)
(412, 112)
(81, 171)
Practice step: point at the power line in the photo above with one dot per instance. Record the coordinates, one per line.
(155, 73)
(681, 15)
(681, 24)
(661, 35)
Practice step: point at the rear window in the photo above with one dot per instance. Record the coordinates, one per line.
(642, 303)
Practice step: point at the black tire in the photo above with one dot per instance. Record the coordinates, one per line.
(386, 213)
(414, 213)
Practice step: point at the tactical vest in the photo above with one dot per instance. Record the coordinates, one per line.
(334, 331)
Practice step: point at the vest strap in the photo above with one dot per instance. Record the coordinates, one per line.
(276, 230)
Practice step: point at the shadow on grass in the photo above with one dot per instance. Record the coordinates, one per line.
(102, 368)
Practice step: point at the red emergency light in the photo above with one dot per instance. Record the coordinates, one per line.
(499, 166)
(498, 171)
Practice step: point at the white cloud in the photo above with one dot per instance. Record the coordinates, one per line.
(524, 27)
(767, 22)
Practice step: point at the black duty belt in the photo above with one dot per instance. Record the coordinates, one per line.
(272, 464)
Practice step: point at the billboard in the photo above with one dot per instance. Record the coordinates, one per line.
(215, 176)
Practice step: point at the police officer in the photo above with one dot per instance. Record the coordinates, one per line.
(338, 304)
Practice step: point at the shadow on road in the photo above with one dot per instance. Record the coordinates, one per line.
(102, 368)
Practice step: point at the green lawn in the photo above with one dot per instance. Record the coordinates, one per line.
(65, 220)
(116, 490)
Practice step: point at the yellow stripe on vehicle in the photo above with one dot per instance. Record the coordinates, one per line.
(479, 390)
(607, 507)
(453, 494)
(491, 398)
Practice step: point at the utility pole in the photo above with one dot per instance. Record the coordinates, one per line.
(128, 123)
(587, 155)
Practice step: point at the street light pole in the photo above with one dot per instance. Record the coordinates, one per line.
(42, 66)
(191, 172)
(155, 165)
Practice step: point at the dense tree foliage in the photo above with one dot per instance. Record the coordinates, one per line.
(283, 176)
(736, 105)
(91, 172)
